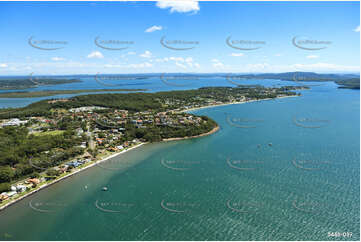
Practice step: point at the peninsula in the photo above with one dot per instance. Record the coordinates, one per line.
(52, 139)
(11, 83)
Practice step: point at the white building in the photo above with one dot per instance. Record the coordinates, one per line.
(14, 122)
(10, 194)
(21, 188)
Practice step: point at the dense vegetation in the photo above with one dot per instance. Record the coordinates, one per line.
(23, 83)
(46, 93)
(353, 83)
(145, 101)
(155, 133)
(297, 76)
(21, 153)
(24, 154)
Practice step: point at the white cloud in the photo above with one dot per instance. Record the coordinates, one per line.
(3, 65)
(96, 54)
(189, 59)
(357, 29)
(131, 53)
(57, 58)
(217, 63)
(312, 56)
(183, 62)
(178, 59)
(237, 54)
(153, 28)
(278, 54)
(141, 65)
(146, 54)
(181, 6)
(165, 59)
(112, 66)
(324, 67)
(258, 66)
(271, 68)
(180, 65)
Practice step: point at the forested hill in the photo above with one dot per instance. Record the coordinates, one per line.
(353, 83)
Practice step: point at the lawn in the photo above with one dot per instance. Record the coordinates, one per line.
(55, 132)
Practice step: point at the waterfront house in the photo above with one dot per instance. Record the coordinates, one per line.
(3, 196)
(34, 181)
(73, 164)
(21, 188)
(10, 194)
(111, 149)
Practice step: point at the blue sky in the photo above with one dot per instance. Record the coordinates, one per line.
(204, 27)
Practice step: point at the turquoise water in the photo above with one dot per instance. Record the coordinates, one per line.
(285, 169)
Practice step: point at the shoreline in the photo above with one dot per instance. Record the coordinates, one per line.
(225, 104)
(214, 130)
(67, 176)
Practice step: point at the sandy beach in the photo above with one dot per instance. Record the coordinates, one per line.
(215, 129)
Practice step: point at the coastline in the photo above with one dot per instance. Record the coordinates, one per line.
(224, 104)
(214, 130)
(67, 176)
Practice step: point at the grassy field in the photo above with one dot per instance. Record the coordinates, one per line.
(55, 132)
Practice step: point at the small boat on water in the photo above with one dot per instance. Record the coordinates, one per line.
(105, 189)
(269, 144)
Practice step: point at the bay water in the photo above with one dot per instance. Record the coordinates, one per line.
(285, 169)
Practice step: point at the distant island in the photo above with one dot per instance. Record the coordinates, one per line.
(9, 83)
(353, 83)
(296, 76)
(28, 82)
(349, 81)
(47, 93)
